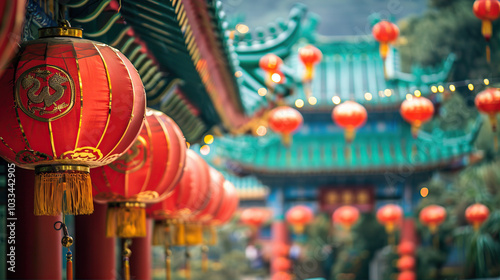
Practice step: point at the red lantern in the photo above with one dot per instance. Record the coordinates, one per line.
(385, 32)
(388, 215)
(78, 104)
(487, 11)
(406, 248)
(349, 115)
(12, 23)
(281, 250)
(281, 264)
(151, 167)
(432, 216)
(417, 111)
(298, 217)
(347, 216)
(254, 217)
(190, 193)
(309, 55)
(285, 121)
(270, 63)
(488, 102)
(281, 275)
(477, 214)
(228, 205)
(407, 275)
(213, 199)
(406, 263)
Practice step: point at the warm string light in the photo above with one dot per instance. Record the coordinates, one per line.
(299, 103)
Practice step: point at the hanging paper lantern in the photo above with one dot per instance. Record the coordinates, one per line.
(487, 11)
(228, 205)
(285, 121)
(281, 250)
(270, 63)
(310, 56)
(406, 263)
(151, 167)
(407, 275)
(385, 33)
(281, 264)
(347, 216)
(254, 217)
(299, 216)
(281, 275)
(406, 248)
(477, 214)
(417, 111)
(388, 215)
(78, 104)
(488, 102)
(432, 216)
(12, 12)
(349, 115)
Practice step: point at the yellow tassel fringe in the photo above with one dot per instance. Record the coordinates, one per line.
(126, 220)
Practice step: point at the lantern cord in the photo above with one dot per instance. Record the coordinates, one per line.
(126, 259)
(168, 262)
(66, 241)
(488, 53)
(436, 241)
(204, 258)
(188, 263)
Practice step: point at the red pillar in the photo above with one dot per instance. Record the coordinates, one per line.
(140, 260)
(38, 249)
(94, 256)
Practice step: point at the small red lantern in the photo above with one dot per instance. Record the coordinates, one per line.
(349, 115)
(151, 167)
(406, 263)
(432, 216)
(281, 250)
(407, 275)
(254, 217)
(213, 199)
(270, 63)
(281, 275)
(281, 264)
(310, 56)
(347, 216)
(385, 33)
(477, 214)
(12, 12)
(228, 206)
(417, 111)
(388, 215)
(285, 121)
(487, 11)
(299, 216)
(73, 104)
(406, 248)
(488, 102)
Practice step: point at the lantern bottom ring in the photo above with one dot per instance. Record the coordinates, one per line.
(61, 168)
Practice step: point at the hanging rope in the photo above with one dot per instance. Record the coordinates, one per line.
(66, 241)
(126, 258)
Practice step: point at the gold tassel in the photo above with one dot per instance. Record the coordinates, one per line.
(168, 262)
(162, 233)
(286, 139)
(488, 54)
(181, 235)
(53, 181)
(298, 229)
(213, 236)
(126, 220)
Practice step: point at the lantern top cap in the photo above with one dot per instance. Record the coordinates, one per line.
(64, 29)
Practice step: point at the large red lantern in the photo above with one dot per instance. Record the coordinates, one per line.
(270, 63)
(285, 121)
(299, 216)
(432, 216)
(74, 104)
(406, 263)
(388, 215)
(151, 167)
(487, 11)
(417, 111)
(254, 217)
(406, 248)
(349, 115)
(477, 214)
(346, 215)
(488, 102)
(12, 22)
(310, 56)
(385, 33)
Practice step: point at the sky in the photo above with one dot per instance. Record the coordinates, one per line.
(338, 17)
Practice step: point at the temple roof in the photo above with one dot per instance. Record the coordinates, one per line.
(376, 149)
